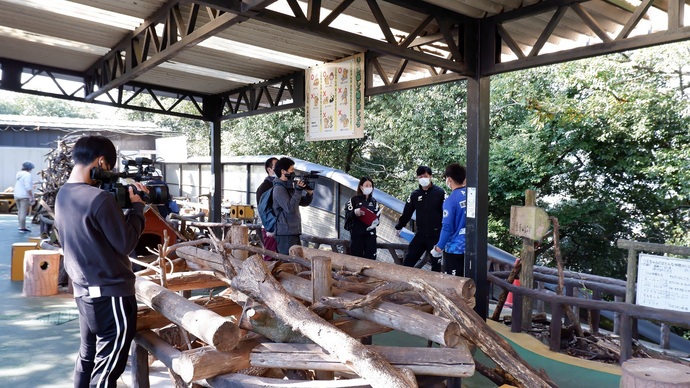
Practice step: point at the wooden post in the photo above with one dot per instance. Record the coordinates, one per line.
(41, 273)
(664, 340)
(617, 317)
(653, 373)
(516, 317)
(240, 235)
(626, 338)
(321, 283)
(527, 271)
(140, 366)
(555, 327)
(595, 315)
(631, 276)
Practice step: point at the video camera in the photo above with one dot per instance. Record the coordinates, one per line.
(139, 169)
(308, 179)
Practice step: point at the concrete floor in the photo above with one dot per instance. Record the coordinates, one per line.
(35, 350)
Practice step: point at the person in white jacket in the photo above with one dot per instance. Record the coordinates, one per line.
(23, 194)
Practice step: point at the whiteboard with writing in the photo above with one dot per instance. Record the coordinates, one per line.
(663, 282)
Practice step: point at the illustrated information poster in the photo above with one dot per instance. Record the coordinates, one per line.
(335, 100)
(663, 282)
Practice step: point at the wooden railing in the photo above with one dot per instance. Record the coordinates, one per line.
(626, 311)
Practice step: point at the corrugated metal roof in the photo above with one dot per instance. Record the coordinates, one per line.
(271, 39)
(71, 124)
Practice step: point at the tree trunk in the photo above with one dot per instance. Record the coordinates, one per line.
(225, 307)
(201, 322)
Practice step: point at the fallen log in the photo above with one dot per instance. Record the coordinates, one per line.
(475, 330)
(255, 280)
(196, 364)
(225, 307)
(464, 287)
(451, 362)
(206, 325)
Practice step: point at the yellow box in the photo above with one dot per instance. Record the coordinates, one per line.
(243, 212)
(18, 250)
(36, 240)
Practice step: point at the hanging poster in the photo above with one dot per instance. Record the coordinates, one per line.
(334, 100)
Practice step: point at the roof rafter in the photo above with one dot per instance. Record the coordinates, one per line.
(499, 27)
(132, 56)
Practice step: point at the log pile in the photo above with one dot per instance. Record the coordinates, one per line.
(306, 318)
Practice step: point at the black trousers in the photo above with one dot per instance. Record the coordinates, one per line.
(363, 245)
(454, 264)
(418, 247)
(107, 325)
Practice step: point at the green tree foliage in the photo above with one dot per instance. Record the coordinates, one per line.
(29, 105)
(604, 142)
(402, 131)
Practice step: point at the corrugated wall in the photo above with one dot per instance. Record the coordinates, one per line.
(11, 159)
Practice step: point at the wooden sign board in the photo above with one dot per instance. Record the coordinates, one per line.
(662, 282)
(529, 221)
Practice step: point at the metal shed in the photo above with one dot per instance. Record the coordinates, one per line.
(231, 58)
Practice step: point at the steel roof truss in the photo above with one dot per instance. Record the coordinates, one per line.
(675, 32)
(389, 47)
(132, 56)
(263, 97)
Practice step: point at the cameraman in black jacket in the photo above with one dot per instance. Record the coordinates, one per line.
(427, 201)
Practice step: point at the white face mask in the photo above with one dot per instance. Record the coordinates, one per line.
(367, 190)
(424, 182)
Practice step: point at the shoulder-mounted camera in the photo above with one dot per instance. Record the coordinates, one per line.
(309, 179)
(140, 170)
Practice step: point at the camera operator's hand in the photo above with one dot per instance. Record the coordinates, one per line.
(135, 197)
(300, 185)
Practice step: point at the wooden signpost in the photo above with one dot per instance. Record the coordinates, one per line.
(531, 223)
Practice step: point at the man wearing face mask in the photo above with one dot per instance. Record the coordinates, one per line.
(96, 238)
(268, 238)
(451, 244)
(288, 196)
(427, 202)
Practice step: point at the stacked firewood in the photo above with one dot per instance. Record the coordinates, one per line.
(59, 162)
(307, 317)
